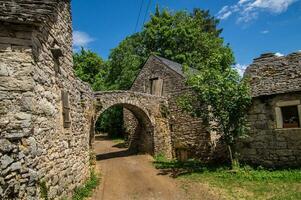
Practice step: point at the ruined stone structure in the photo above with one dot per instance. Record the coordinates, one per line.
(275, 114)
(190, 136)
(45, 111)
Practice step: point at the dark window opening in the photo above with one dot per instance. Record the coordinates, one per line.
(171, 127)
(156, 86)
(66, 109)
(290, 117)
(57, 69)
(56, 53)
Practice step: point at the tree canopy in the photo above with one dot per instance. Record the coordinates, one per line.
(192, 39)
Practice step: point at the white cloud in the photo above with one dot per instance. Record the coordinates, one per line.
(240, 68)
(81, 39)
(265, 31)
(279, 54)
(299, 50)
(248, 10)
(224, 13)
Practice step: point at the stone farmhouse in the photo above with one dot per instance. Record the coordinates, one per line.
(275, 114)
(47, 114)
(190, 137)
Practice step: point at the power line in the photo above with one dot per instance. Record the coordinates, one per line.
(141, 5)
(148, 5)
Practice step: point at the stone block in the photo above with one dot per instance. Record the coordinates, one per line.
(6, 161)
(5, 145)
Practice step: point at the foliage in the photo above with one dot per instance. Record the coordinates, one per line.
(125, 61)
(244, 183)
(90, 68)
(86, 190)
(223, 99)
(188, 38)
(111, 122)
(43, 190)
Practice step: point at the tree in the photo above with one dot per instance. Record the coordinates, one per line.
(90, 68)
(188, 38)
(225, 99)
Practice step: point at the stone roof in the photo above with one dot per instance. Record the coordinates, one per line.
(177, 67)
(271, 74)
(28, 11)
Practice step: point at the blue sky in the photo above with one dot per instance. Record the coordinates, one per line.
(251, 27)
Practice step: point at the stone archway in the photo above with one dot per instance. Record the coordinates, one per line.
(143, 138)
(154, 134)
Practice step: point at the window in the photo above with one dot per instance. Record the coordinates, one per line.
(56, 53)
(288, 114)
(290, 117)
(66, 109)
(156, 86)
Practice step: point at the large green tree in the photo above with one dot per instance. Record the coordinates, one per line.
(91, 68)
(223, 98)
(191, 39)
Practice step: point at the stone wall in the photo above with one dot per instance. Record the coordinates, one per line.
(267, 145)
(189, 134)
(34, 145)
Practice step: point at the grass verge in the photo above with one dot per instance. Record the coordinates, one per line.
(86, 190)
(243, 183)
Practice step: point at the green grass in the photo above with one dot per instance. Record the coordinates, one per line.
(242, 183)
(118, 140)
(86, 190)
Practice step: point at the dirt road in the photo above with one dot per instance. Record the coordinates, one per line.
(131, 177)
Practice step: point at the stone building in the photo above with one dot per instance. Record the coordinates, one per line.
(189, 135)
(45, 111)
(275, 114)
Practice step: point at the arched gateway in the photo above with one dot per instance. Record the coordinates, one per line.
(153, 134)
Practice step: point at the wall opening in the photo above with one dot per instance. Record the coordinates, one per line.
(290, 117)
(138, 140)
(156, 86)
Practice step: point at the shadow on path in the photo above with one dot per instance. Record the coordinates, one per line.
(116, 154)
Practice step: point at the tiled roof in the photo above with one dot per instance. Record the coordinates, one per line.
(271, 74)
(177, 67)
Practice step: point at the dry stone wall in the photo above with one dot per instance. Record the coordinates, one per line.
(34, 145)
(266, 145)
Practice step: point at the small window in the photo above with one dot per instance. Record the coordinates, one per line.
(66, 109)
(290, 117)
(56, 54)
(156, 86)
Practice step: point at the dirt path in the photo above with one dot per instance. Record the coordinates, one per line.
(132, 177)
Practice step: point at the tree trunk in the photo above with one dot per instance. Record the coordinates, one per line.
(230, 155)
